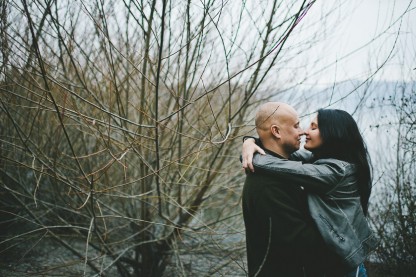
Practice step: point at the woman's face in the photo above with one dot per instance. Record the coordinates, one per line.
(313, 137)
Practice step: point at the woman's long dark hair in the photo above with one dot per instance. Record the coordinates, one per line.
(342, 140)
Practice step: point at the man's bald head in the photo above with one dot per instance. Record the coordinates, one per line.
(277, 124)
(273, 113)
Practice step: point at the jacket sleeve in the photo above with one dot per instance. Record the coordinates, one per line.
(302, 156)
(320, 177)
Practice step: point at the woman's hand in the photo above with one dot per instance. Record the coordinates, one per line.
(249, 148)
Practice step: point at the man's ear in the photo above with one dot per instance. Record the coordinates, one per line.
(275, 131)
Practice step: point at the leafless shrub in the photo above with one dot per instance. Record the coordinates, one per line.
(394, 214)
(120, 128)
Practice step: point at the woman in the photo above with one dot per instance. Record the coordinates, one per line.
(337, 178)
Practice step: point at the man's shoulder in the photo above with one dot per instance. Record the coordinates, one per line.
(269, 184)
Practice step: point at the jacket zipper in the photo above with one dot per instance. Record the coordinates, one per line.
(332, 228)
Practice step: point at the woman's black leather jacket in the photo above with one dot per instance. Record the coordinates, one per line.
(333, 200)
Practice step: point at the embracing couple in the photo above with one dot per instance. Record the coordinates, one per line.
(305, 211)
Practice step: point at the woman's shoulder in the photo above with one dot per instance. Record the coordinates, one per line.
(344, 165)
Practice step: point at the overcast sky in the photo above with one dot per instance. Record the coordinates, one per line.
(368, 30)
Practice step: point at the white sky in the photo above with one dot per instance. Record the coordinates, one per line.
(361, 22)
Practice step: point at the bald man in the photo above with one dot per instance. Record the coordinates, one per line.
(281, 237)
(277, 125)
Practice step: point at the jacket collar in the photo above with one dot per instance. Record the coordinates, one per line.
(273, 153)
(258, 142)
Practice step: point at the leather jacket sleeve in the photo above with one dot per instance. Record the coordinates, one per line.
(321, 177)
(302, 156)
